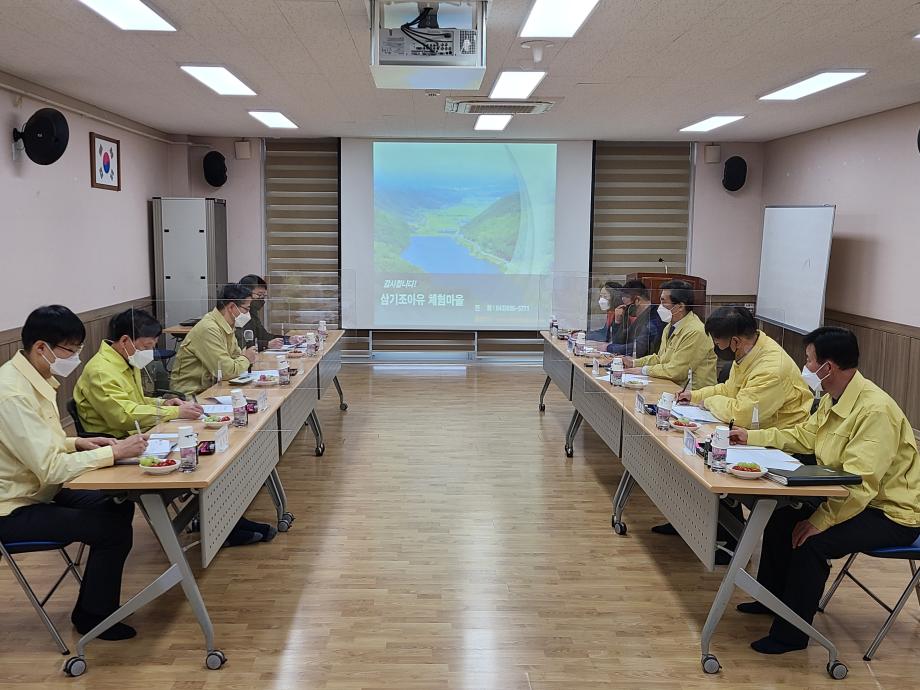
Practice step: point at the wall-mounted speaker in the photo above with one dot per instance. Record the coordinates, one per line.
(734, 174)
(44, 136)
(215, 168)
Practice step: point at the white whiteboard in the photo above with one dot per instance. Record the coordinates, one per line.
(793, 265)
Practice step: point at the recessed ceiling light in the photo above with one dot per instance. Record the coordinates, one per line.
(556, 18)
(219, 79)
(492, 122)
(129, 15)
(819, 82)
(516, 84)
(711, 123)
(272, 118)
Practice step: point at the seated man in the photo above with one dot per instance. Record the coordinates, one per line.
(763, 375)
(857, 428)
(109, 394)
(36, 458)
(640, 327)
(263, 339)
(684, 343)
(613, 303)
(211, 344)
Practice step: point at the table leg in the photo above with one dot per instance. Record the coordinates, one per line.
(619, 502)
(574, 425)
(179, 572)
(543, 393)
(279, 498)
(317, 429)
(737, 576)
(338, 386)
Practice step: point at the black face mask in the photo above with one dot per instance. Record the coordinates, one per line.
(723, 353)
(256, 305)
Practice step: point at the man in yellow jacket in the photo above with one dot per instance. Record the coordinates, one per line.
(684, 343)
(37, 457)
(211, 346)
(763, 376)
(110, 395)
(857, 428)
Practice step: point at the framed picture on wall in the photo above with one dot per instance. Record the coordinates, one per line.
(105, 162)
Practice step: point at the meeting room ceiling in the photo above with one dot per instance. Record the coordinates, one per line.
(637, 70)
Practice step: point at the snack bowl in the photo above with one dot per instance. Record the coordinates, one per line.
(747, 474)
(269, 381)
(217, 421)
(635, 385)
(684, 425)
(159, 468)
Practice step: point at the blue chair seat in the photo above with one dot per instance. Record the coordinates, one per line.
(162, 355)
(33, 546)
(903, 552)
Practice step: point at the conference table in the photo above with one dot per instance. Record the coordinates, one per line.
(221, 488)
(680, 485)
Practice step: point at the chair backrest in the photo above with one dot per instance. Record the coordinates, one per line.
(72, 411)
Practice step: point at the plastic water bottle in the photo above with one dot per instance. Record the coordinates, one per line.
(553, 326)
(595, 368)
(570, 343)
(240, 413)
(755, 417)
(188, 449)
(284, 376)
(220, 375)
(323, 334)
(616, 372)
(718, 456)
(663, 416)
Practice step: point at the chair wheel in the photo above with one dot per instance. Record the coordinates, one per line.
(542, 407)
(343, 407)
(287, 517)
(75, 666)
(283, 525)
(837, 670)
(569, 452)
(215, 660)
(619, 527)
(320, 450)
(711, 665)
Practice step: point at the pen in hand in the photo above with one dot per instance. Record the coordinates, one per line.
(731, 424)
(138, 427)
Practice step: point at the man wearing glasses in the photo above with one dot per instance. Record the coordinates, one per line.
(211, 345)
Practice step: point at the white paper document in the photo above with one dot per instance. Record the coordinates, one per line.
(222, 400)
(217, 409)
(697, 414)
(158, 447)
(768, 458)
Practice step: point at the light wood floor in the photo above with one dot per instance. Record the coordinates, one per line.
(444, 541)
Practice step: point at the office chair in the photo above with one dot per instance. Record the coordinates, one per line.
(6, 551)
(911, 554)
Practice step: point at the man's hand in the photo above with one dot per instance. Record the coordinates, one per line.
(297, 339)
(275, 344)
(684, 397)
(628, 362)
(250, 354)
(190, 410)
(618, 313)
(131, 447)
(802, 532)
(172, 402)
(93, 443)
(738, 436)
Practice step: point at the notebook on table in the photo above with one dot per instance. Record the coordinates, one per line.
(812, 475)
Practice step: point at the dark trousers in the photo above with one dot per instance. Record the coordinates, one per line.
(797, 576)
(88, 517)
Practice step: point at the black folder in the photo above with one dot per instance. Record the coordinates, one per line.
(812, 475)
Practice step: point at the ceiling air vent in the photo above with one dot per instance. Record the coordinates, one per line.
(490, 107)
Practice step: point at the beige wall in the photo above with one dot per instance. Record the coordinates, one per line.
(870, 169)
(727, 226)
(64, 241)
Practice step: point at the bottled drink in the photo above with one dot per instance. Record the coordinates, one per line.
(663, 417)
(719, 453)
(188, 449)
(309, 344)
(284, 376)
(595, 368)
(616, 372)
(322, 333)
(220, 375)
(554, 326)
(755, 417)
(240, 413)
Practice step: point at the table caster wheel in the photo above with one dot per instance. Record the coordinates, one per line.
(343, 407)
(837, 670)
(569, 452)
(711, 664)
(283, 525)
(288, 517)
(619, 527)
(75, 666)
(320, 450)
(542, 407)
(215, 660)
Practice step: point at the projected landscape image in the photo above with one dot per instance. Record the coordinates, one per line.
(461, 219)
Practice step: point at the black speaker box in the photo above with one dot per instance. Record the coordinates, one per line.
(735, 173)
(215, 168)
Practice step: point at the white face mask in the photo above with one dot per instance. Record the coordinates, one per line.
(664, 313)
(812, 378)
(64, 367)
(140, 358)
(603, 303)
(241, 319)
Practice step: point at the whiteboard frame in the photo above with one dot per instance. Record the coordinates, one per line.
(830, 243)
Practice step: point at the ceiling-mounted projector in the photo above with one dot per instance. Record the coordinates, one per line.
(428, 45)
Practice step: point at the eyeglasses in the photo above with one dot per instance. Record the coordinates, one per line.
(69, 350)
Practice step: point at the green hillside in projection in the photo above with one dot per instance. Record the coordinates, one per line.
(391, 237)
(493, 234)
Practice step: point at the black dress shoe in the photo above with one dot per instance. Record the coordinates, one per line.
(667, 528)
(242, 537)
(267, 531)
(753, 607)
(770, 645)
(84, 622)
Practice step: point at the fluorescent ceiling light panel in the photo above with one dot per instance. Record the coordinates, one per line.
(492, 122)
(219, 80)
(272, 118)
(556, 18)
(129, 15)
(819, 82)
(516, 84)
(711, 123)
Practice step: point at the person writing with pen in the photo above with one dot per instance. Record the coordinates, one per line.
(859, 429)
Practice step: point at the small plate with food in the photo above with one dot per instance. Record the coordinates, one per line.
(684, 424)
(635, 384)
(152, 465)
(747, 470)
(267, 380)
(216, 421)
